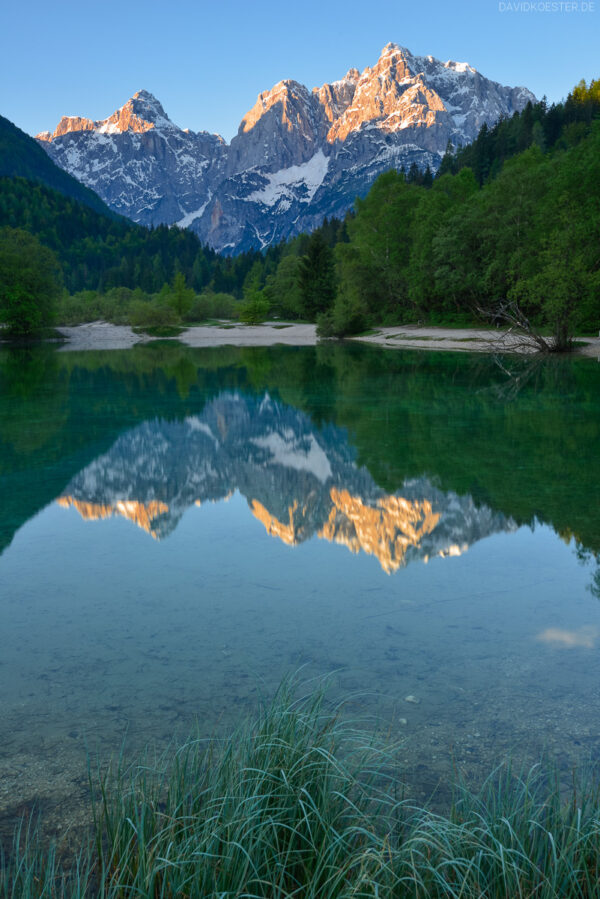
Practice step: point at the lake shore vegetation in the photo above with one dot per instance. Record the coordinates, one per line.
(299, 802)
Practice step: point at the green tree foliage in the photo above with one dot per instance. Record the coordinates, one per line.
(181, 297)
(209, 305)
(283, 287)
(316, 277)
(30, 282)
(531, 236)
(143, 314)
(482, 246)
(348, 315)
(448, 195)
(255, 309)
(582, 95)
(563, 287)
(98, 251)
(254, 279)
(372, 266)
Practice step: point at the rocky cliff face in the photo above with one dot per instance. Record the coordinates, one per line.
(299, 482)
(298, 156)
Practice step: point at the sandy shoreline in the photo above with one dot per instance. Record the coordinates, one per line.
(104, 336)
(251, 335)
(477, 340)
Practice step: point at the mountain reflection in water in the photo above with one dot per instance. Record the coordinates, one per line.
(299, 482)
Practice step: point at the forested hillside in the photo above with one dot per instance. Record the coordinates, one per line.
(99, 252)
(21, 156)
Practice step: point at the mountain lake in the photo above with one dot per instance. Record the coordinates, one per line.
(180, 529)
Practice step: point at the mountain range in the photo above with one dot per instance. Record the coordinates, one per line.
(299, 482)
(299, 155)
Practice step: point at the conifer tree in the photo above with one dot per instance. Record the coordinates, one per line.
(316, 277)
(181, 296)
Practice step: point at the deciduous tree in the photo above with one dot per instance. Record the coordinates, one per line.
(30, 282)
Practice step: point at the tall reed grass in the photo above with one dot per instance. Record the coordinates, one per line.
(297, 803)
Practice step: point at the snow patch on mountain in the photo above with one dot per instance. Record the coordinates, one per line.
(190, 217)
(310, 174)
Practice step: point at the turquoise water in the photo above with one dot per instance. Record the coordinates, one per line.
(181, 529)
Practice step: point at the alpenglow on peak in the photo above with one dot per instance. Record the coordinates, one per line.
(299, 154)
(141, 113)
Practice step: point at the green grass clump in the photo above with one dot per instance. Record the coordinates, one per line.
(515, 838)
(272, 812)
(299, 804)
(32, 871)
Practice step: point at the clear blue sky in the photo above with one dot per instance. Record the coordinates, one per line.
(207, 61)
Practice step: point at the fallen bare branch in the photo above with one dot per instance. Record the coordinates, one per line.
(521, 334)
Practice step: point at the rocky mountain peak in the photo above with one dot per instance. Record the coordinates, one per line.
(380, 95)
(290, 99)
(351, 75)
(67, 123)
(336, 97)
(282, 129)
(396, 59)
(144, 108)
(142, 112)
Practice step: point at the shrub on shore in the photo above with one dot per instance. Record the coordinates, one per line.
(123, 306)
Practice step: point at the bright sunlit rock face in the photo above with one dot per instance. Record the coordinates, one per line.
(141, 113)
(142, 514)
(393, 94)
(385, 530)
(289, 532)
(299, 154)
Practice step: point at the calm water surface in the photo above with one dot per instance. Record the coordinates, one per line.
(179, 529)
